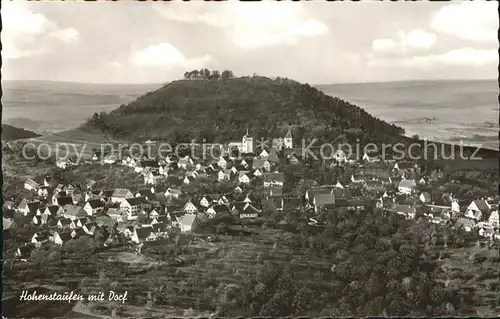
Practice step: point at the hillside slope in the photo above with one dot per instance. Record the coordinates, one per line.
(10, 133)
(222, 110)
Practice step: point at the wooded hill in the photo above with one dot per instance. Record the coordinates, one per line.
(221, 109)
(10, 133)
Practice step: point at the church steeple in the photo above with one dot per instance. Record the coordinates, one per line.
(247, 143)
(289, 133)
(288, 140)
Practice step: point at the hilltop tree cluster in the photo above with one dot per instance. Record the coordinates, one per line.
(206, 74)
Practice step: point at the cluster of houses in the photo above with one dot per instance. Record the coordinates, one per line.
(65, 212)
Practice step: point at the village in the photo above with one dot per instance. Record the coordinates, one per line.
(169, 202)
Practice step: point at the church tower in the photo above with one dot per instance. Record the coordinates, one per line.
(288, 140)
(247, 143)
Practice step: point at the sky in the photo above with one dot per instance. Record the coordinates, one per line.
(313, 42)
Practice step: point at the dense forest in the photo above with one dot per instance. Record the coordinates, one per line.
(218, 107)
(10, 133)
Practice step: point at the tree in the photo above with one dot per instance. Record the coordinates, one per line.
(215, 74)
(227, 74)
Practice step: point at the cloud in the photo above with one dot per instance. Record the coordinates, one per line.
(463, 56)
(459, 57)
(411, 42)
(469, 20)
(384, 46)
(166, 56)
(250, 25)
(66, 35)
(25, 32)
(418, 39)
(116, 64)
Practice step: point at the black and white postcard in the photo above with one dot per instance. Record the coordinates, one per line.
(267, 159)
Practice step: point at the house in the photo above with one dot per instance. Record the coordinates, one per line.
(37, 220)
(188, 180)
(408, 211)
(262, 164)
(173, 192)
(323, 201)
(403, 167)
(69, 189)
(30, 208)
(467, 224)
(143, 234)
(206, 201)
(185, 162)
(425, 197)
(62, 200)
(120, 195)
(90, 228)
(222, 163)
(339, 185)
(455, 207)
(64, 223)
(339, 156)
(80, 222)
(152, 177)
(486, 232)
(273, 179)
(249, 211)
(115, 214)
(24, 252)
(493, 219)
(357, 178)
(41, 237)
(73, 212)
(61, 163)
(138, 168)
(257, 173)
(293, 159)
(148, 193)
(110, 159)
(407, 186)
(61, 238)
(94, 207)
(8, 223)
(218, 210)
(31, 185)
(160, 230)
(222, 175)
(190, 208)
(43, 191)
(310, 193)
(264, 154)
(127, 231)
(132, 206)
(250, 198)
(243, 177)
(274, 191)
(188, 223)
(477, 209)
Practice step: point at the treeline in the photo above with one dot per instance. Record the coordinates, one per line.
(206, 74)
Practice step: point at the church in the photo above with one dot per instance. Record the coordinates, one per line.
(286, 142)
(247, 142)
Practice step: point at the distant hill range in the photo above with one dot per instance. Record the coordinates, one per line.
(10, 133)
(222, 110)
